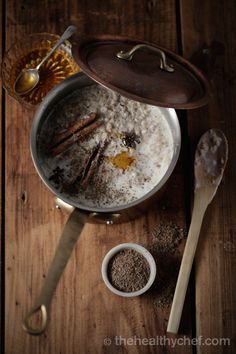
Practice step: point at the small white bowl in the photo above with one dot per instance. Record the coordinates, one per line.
(140, 249)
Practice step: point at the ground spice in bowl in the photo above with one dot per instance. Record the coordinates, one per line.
(128, 271)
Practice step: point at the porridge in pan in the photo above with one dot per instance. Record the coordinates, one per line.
(101, 149)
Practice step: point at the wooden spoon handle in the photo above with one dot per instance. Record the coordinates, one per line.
(200, 205)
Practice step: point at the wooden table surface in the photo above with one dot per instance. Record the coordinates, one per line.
(84, 313)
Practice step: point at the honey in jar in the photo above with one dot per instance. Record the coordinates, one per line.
(58, 67)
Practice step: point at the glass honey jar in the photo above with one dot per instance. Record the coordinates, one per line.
(28, 54)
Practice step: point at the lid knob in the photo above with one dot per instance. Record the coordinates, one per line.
(147, 48)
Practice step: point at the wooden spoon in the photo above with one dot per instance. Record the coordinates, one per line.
(210, 160)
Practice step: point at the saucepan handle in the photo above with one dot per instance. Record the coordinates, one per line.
(70, 235)
(148, 48)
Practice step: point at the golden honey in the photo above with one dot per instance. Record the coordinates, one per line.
(122, 160)
(58, 67)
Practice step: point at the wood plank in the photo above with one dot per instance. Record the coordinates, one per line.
(208, 29)
(1, 169)
(1, 110)
(84, 312)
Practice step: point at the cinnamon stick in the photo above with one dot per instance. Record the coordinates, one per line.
(65, 134)
(80, 135)
(88, 169)
(95, 162)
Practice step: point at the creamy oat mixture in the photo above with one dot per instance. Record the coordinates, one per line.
(125, 174)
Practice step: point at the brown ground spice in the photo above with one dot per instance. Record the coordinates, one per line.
(165, 239)
(128, 271)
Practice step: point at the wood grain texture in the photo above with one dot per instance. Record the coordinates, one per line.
(1, 111)
(84, 312)
(1, 169)
(208, 34)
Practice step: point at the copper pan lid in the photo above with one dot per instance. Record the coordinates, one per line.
(142, 71)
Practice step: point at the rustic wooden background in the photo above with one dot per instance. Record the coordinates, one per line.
(84, 312)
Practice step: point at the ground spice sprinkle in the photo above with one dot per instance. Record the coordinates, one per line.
(165, 239)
